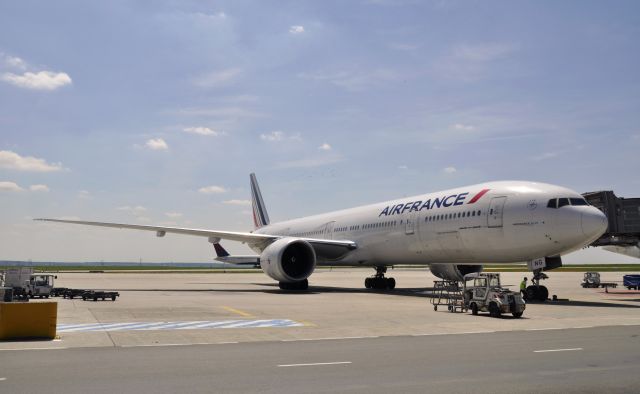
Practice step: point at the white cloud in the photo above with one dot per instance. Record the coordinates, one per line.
(212, 190)
(173, 215)
(10, 187)
(202, 131)
(39, 188)
(137, 210)
(237, 202)
(325, 146)
(43, 80)
(449, 170)
(217, 78)
(273, 136)
(403, 167)
(157, 144)
(296, 29)
(463, 127)
(13, 161)
(14, 62)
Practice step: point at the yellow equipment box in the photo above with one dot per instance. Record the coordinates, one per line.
(27, 320)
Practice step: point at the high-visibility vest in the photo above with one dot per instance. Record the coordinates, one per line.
(523, 285)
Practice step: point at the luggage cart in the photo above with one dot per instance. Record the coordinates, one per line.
(449, 293)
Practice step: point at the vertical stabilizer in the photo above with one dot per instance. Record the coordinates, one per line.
(260, 216)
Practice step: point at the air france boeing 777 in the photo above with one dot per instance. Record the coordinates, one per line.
(453, 231)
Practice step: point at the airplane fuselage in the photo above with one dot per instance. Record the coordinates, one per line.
(495, 222)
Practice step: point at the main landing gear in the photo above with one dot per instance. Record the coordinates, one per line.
(535, 292)
(302, 285)
(378, 281)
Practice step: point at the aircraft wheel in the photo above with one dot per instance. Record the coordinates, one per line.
(517, 315)
(543, 294)
(367, 283)
(391, 283)
(532, 293)
(474, 309)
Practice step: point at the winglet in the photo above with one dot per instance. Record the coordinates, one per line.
(260, 216)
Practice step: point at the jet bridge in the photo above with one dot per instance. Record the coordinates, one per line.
(623, 215)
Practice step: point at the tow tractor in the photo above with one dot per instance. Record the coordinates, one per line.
(487, 295)
(592, 280)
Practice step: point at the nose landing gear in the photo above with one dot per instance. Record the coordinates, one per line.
(379, 281)
(535, 292)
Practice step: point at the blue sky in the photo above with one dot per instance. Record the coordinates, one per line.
(156, 112)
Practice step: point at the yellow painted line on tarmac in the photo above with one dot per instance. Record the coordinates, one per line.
(237, 311)
(307, 324)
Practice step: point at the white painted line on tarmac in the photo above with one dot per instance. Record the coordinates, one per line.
(2, 379)
(314, 364)
(548, 329)
(558, 350)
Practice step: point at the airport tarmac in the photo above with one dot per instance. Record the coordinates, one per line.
(163, 318)
(187, 308)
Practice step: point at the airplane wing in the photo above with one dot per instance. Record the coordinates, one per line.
(252, 238)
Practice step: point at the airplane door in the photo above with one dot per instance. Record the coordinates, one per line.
(410, 226)
(328, 230)
(496, 209)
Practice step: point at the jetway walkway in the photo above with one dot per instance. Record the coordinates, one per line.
(623, 215)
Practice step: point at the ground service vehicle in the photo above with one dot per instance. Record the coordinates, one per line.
(631, 282)
(592, 280)
(26, 284)
(487, 295)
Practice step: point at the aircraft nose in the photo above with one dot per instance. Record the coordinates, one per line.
(594, 223)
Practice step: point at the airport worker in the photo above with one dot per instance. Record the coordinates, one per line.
(523, 288)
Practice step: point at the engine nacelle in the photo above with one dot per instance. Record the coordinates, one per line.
(454, 271)
(288, 260)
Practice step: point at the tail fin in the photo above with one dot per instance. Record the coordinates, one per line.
(260, 216)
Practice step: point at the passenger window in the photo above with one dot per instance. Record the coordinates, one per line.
(562, 202)
(473, 213)
(459, 214)
(553, 203)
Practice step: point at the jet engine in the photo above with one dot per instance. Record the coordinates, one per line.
(453, 271)
(288, 260)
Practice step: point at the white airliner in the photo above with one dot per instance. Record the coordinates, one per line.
(453, 231)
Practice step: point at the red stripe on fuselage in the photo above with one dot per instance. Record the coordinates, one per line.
(478, 196)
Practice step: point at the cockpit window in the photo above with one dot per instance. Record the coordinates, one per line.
(553, 203)
(562, 202)
(578, 201)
